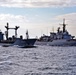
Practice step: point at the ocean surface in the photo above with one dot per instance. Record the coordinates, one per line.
(40, 60)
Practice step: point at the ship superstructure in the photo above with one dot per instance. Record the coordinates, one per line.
(61, 34)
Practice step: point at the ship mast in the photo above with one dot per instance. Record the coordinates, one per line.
(7, 27)
(27, 35)
(64, 25)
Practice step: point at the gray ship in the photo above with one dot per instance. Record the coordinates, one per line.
(61, 38)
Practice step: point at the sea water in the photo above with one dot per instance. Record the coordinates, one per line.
(40, 60)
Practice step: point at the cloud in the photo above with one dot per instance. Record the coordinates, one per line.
(13, 18)
(22, 21)
(37, 3)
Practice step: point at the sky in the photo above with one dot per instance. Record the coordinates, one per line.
(37, 16)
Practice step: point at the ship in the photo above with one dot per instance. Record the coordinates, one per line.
(59, 38)
(14, 40)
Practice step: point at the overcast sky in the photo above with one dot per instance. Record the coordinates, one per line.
(38, 16)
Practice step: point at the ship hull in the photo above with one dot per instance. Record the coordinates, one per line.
(23, 43)
(60, 42)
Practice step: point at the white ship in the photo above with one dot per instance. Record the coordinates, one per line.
(61, 38)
